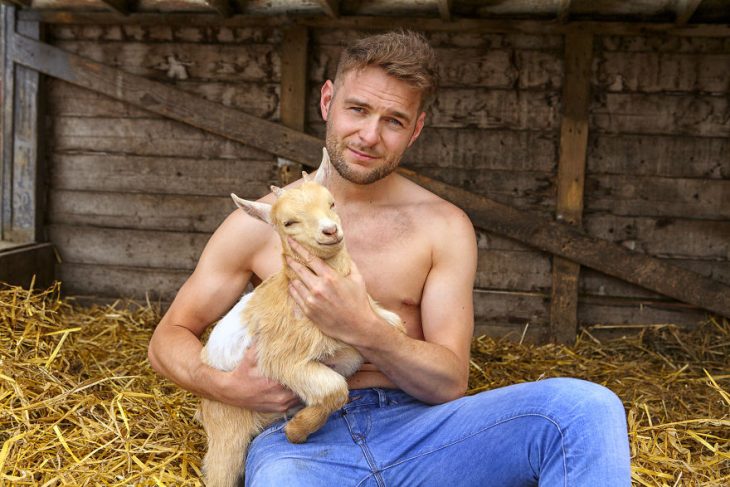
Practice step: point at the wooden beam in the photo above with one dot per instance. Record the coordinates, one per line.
(119, 6)
(572, 243)
(167, 101)
(445, 10)
(331, 7)
(34, 263)
(293, 99)
(578, 57)
(223, 7)
(564, 11)
(685, 9)
(18, 3)
(532, 230)
(381, 23)
(8, 90)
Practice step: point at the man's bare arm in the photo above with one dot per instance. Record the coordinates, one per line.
(219, 279)
(435, 369)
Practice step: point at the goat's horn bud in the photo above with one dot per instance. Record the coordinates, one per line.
(305, 176)
(277, 191)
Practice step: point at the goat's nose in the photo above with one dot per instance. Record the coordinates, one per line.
(330, 229)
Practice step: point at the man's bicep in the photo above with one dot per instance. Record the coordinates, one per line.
(219, 279)
(447, 306)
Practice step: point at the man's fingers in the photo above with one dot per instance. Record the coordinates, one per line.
(313, 262)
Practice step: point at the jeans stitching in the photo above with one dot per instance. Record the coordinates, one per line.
(375, 472)
(547, 418)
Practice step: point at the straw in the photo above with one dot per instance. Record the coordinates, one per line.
(80, 405)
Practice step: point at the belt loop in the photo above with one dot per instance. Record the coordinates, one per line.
(382, 398)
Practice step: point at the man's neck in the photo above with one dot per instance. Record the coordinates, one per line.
(347, 193)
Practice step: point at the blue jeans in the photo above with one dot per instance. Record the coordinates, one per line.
(554, 432)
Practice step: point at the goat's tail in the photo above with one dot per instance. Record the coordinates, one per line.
(230, 430)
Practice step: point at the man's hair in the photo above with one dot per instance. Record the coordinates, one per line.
(404, 55)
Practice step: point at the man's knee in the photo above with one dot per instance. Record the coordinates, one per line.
(587, 399)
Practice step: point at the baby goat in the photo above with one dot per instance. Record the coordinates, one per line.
(290, 348)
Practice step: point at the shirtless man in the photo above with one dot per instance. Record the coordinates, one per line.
(407, 422)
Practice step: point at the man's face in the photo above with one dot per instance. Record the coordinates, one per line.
(372, 118)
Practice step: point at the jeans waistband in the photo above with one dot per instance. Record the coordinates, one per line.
(373, 396)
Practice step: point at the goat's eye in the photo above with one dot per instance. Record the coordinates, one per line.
(290, 223)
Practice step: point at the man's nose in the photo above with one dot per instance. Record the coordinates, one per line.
(370, 131)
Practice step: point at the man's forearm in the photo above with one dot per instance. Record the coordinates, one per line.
(427, 371)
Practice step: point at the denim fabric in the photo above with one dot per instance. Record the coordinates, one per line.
(554, 432)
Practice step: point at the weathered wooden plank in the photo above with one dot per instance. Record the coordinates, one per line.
(638, 313)
(485, 109)
(512, 309)
(599, 254)
(526, 189)
(571, 177)
(665, 43)
(24, 264)
(444, 7)
(127, 247)
(500, 68)
(184, 61)
(366, 22)
(259, 100)
(8, 98)
(179, 213)
(696, 115)
(331, 8)
(167, 101)
(294, 53)
(657, 72)
(664, 237)
(159, 32)
(119, 6)
(26, 213)
(685, 10)
(660, 155)
(595, 283)
(157, 175)
(145, 137)
(478, 149)
(509, 270)
(223, 7)
(659, 197)
(88, 280)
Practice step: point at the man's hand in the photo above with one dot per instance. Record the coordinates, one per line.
(339, 305)
(245, 387)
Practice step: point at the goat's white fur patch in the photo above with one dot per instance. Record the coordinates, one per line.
(230, 338)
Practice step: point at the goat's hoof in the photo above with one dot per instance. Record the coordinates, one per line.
(294, 434)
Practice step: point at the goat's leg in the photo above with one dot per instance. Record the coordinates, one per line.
(323, 390)
(230, 430)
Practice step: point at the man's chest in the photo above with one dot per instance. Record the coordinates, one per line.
(394, 262)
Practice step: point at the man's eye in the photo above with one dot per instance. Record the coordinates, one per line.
(290, 223)
(395, 122)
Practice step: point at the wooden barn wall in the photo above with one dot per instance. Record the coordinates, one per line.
(134, 197)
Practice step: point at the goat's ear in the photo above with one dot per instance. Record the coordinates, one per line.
(277, 191)
(324, 168)
(306, 177)
(262, 211)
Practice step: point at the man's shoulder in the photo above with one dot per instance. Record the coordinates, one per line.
(431, 208)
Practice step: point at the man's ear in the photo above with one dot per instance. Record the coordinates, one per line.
(327, 94)
(419, 126)
(262, 211)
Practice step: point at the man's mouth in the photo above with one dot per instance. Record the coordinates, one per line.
(363, 154)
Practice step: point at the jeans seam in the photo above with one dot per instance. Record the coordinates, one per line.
(375, 472)
(547, 418)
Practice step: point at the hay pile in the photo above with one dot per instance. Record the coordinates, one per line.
(79, 404)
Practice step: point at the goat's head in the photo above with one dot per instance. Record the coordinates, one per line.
(306, 214)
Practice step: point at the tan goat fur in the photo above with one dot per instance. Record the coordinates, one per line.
(290, 348)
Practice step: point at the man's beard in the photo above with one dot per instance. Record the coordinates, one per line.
(336, 150)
